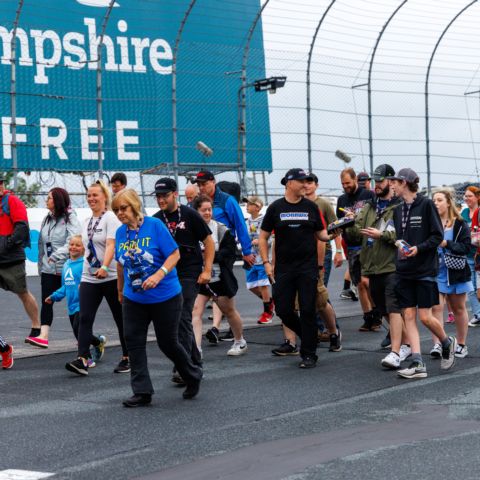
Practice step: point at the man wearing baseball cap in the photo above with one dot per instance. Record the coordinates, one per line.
(418, 224)
(187, 228)
(364, 179)
(298, 224)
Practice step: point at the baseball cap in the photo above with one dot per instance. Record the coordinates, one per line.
(382, 172)
(296, 174)
(363, 177)
(406, 174)
(253, 200)
(204, 176)
(165, 185)
(313, 177)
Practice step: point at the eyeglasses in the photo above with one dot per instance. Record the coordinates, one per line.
(121, 208)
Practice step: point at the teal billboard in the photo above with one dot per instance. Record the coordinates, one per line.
(56, 84)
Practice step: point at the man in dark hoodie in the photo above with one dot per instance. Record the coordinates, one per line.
(418, 224)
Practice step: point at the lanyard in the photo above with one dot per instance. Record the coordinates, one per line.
(173, 231)
(405, 215)
(132, 249)
(90, 230)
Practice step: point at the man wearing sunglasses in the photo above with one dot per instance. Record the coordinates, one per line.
(187, 228)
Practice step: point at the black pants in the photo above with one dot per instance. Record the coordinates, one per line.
(287, 286)
(91, 295)
(49, 282)
(185, 329)
(165, 317)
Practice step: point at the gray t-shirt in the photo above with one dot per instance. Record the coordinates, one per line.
(106, 229)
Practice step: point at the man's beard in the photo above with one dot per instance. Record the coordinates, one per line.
(384, 192)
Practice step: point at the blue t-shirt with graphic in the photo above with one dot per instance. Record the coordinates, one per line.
(141, 256)
(71, 277)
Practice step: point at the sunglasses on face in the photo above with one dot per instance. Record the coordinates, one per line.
(121, 208)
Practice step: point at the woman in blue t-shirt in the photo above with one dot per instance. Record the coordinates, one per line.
(149, 291)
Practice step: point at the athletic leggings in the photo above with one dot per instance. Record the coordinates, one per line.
(74, 321)
(50, 282)
(91, 295)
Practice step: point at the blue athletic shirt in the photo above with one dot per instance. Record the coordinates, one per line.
(71, 277)
(143, 257)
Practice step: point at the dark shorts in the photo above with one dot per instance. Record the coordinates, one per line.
(14, 278)
(354, 266)
(416, 293)
(215, 289)
(382, 290)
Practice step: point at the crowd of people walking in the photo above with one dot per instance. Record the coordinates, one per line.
(408, 257)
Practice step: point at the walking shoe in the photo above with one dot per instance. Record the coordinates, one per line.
(448, 355)
(436, 351)
(7, 358)
(227, 337)
(405, 352)
(392, 360)
(177, 378)
(386, 342)
(238, 348)
(265, 318)
(78, 367)
(474, 322)
(323, 336)
(212, 335)
(191, 390)
(98, 351)
(272, 307)
(34, 332)
(335, 342)
(138, 400)
(461, 351)
(91, 363)
(123, 366)
(450, 318)
(37, 342)
(354, 294)
(368, 323)
(308, 362)
(348, 294)
(415, 370)
(285, 349)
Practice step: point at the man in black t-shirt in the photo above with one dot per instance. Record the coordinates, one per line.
(187, 228)
(298, 224)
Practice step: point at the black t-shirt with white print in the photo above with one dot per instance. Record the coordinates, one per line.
(191, 230)
(294, 225)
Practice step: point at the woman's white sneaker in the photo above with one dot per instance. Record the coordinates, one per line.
(239, 347)
(392, 360)
(461, 351)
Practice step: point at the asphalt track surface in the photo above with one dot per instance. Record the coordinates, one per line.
(257, 416)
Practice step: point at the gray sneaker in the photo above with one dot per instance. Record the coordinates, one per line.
(415, 370)
(448, 355)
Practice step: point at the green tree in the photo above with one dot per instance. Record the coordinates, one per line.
(28, 194)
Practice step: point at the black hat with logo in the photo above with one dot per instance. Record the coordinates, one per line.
(165, 185)
(203, 176)
(382, 172)
(296, 174)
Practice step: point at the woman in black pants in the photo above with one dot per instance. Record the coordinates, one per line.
(99, 278)
(150, 291)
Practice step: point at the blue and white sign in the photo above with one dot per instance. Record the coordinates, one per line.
(56, 51)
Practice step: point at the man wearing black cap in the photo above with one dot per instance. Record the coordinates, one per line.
(363, 179)
(187, 228)
(227, 211)
(418, 225)
(298, 224)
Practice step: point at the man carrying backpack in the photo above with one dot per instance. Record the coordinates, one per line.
(14, 237)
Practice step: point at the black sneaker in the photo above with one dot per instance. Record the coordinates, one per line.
(308, 362)
(213, 335)
(227, 337)
(386, 342)
(285, 349)
(177, 378)
(139, 400)
(191, 390)
(77, 366)
(335, 342)
(123, 366)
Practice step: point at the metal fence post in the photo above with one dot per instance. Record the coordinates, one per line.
(309, 114)
(13, 95)
(100, 152)
(242, 106)
(174, 89)
(427, 78)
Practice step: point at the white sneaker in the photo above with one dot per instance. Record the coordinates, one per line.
(415, 370)
(238, 348)
(461, 352)
(447, 362)
(392, 360)
(474, 322)
(436, 351)
(405, 352)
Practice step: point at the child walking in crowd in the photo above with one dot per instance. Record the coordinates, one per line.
(71, 278)
(6, 351)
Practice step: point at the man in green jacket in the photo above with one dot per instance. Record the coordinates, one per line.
(374, 224)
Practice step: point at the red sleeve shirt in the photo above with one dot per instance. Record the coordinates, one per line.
(18, 213)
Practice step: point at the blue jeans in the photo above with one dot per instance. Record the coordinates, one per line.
(472, 296)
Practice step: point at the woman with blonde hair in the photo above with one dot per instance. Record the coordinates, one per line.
(454, 273)
(150, 292)
(99, 279)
